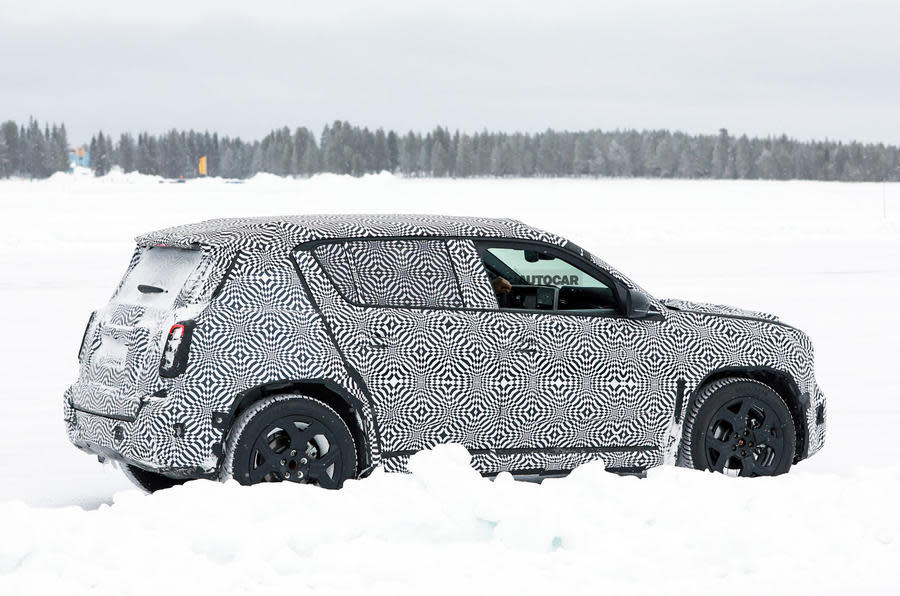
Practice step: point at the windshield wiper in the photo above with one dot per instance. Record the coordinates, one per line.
(145, 289)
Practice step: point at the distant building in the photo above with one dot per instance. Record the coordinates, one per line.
(79, 157)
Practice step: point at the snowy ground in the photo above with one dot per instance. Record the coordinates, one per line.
(822, 255)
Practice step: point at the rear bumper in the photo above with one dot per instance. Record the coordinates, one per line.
(161, 437)
(103, 401)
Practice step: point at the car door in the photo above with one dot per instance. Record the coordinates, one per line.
(588, 392)
(397, 313)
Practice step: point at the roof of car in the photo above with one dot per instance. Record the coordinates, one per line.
(293, 230)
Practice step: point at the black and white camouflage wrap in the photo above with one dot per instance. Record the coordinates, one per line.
(716, 309)
(438, 360)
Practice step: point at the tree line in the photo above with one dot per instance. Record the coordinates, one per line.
(342, 148)
(32, 151)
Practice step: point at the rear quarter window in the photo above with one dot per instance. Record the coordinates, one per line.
(333, 259)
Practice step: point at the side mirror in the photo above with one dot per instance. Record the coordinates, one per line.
(638, 306)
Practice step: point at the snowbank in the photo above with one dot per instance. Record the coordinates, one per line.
(821, 255)
(445, 529)
(84, 176)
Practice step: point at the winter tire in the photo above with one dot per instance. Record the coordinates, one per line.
(739, 427)
(149, 482)
(291, 438)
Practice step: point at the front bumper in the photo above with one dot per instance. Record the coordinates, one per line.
(163, 437)
(815, 422)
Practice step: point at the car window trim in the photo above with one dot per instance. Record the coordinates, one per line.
(311, 245)
(462, 296)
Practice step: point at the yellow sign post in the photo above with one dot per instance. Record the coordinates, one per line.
(201, 167)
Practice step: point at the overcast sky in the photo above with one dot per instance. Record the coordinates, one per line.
(809, 69)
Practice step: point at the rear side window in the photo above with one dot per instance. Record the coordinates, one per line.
(393, 272)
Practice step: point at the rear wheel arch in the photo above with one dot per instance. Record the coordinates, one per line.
(781, 382)
(324, 390)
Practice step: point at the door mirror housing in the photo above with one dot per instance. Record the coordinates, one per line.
(639, 305)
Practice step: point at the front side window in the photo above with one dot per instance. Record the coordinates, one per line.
(533, 278)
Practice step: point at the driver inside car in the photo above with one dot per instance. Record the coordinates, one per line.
(501, 285)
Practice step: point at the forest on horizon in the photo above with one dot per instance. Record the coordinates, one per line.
(34, 151)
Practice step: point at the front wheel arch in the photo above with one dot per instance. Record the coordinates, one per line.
(780, 381)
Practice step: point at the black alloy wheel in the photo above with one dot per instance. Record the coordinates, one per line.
(744, 428)
(297, 449)
(290, 438)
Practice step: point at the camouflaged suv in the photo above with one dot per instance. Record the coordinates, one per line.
(314, 348)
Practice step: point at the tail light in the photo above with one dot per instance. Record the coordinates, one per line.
(175, 352)
(173, 345)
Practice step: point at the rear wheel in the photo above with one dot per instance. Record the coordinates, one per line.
(739, 427)
(290, 438)
(150, 482)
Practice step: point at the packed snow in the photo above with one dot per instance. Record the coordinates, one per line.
(824, 256)
(446, 528)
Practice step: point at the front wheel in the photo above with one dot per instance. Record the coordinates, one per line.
(291, 438)
(739, 427)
